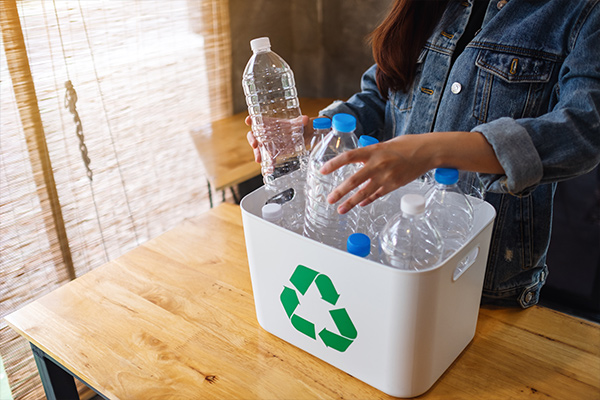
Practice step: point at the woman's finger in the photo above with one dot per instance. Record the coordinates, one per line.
(348, 157)
(379, 193)
(252, 140)
(305, 120)
(248, 121)
(347, 186)
(254, 144)
(364, 193)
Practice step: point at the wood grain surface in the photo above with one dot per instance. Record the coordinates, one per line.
(224, 149)
(175, 319)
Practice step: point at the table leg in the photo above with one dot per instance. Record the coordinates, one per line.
(209, 193)
(58, 383)
(235, 197)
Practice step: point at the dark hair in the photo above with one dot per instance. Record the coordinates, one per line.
(399, 39)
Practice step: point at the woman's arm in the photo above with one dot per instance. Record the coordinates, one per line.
(368, 106)
(253, 142)
(391, 164)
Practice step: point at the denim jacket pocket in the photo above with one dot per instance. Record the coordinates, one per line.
(511, 84)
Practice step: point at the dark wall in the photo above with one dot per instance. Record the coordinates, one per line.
(324, 41)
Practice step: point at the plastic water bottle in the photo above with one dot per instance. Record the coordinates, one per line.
(366, 140)
(471, 185)
(410, 241)
(273, 105)
(273, 213)
(450, 210)
(384, 209)
(321, 127)
(359, 244)
(322, 222)
(364, 222)
(377, 214)
(289, 206)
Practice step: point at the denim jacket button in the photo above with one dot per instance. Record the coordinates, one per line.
(501, 4)
(528, 297)
(456, 88)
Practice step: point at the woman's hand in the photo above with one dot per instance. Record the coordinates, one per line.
(391, 164)
(252, 141)
(256, 145)
(386, 167)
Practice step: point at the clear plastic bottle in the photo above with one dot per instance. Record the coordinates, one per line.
(471, 185)
(321, 127)
(273, 212)
(273, 106)
(409, 241)
(322, 222)
(450, 210)
(366, 140)
(385, 208)
(359, 244)
(364, 217)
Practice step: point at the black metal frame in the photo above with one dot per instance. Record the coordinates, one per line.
(58, 382)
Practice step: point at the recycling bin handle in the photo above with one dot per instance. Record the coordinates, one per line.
(465, 263)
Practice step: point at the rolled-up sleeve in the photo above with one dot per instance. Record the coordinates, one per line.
(516, 153)
(564, 142)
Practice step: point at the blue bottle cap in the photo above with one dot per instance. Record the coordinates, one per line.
(359, 244)
(321, 123)
(366, 140)
(344, 122)
(446, 176)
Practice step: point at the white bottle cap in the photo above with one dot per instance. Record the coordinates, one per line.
(412, 204)
(272, 211)
(261, 43)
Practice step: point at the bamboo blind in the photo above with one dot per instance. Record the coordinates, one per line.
(144, 72)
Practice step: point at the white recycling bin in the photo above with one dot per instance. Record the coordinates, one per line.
(396, 330)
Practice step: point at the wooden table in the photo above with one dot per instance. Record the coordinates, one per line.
(174, 319)
(224, 150)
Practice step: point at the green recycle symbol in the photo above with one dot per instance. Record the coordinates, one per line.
(301, 279)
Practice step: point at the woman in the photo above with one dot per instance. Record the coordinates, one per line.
(509, 90)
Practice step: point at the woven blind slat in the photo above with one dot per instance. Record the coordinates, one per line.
(24, 90)
(145, 73)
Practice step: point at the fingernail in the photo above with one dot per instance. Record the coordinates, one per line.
(342, 210)
(331, 199)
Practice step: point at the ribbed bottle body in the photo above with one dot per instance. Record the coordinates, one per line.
(274, 108)
(450, 210)
(322, 222)
(410, 241)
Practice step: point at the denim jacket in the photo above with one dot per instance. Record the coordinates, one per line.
(530, 82)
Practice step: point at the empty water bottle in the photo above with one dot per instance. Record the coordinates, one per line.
(321, 127)
(273, 106)
(409, 241)
(471, 185)
(364, 221)
(322, 222)
(450, 210)
(384, 209)
(359, 244)
(366, 140)
(273, 212)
